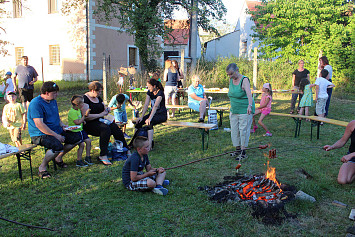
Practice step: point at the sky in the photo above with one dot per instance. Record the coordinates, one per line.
(233, 10)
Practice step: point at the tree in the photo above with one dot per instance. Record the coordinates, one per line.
(145, 19)
(293, 30)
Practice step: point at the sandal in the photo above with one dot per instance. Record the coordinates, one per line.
(61, 164)
(44, 174)
(104, 161)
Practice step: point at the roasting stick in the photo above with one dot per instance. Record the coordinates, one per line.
(178, 166)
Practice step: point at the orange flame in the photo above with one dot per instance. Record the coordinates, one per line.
(271, 174)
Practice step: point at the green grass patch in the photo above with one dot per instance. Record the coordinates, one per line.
(93, 202)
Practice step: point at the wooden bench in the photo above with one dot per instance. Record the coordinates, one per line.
(24, 152)
(204, 127)
(315, 121)
(219, 110)
(296, 118)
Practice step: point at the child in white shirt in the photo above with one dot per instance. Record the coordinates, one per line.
(321, 92)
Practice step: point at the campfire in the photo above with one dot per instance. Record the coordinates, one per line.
(263, 192)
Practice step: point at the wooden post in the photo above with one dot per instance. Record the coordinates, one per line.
(255, 67)
(42, 70)
(182, 63)
(104, 77)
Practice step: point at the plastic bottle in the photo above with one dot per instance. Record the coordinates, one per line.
(109, 150)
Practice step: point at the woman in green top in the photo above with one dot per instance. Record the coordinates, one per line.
(242, 109)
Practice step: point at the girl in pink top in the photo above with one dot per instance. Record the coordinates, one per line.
(264, 108)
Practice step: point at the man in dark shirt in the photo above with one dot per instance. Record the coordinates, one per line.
(27, 76)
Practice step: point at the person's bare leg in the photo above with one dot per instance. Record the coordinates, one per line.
(50, 155)
(262, 116)
(80, 151)
(346, 173)
(202, 109)
(150, 138)
(88, 146)
(160, 178)
(301, 111)
(66, 149)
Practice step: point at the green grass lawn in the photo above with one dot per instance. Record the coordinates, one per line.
(93, 202)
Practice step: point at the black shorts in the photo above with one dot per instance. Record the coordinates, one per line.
(50, 142)
(80, 136)
(25, 94)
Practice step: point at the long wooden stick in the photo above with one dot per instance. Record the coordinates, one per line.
(210, 157)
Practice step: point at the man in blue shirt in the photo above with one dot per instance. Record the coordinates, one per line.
(46, 128)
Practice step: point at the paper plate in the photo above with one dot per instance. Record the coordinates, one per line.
(72, 127)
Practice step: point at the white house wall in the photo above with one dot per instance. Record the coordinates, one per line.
(244, 26)
(36, 30)
(225, 46)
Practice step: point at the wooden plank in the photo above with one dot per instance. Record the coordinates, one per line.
(190, 124)
(21, 148)
(291, 115)
(331, 121)
(187, 107)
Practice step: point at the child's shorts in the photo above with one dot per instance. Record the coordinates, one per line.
(15, 134)
(140, 185)
(320, 106)
(121, 117)
(265, 111)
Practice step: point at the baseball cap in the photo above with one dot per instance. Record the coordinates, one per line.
(11, 93)
(9, 73)
(267, 86)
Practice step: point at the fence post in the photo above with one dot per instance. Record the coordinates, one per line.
(104, 77)
(255, 67)
(182, 63)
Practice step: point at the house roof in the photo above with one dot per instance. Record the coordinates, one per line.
(180, 32)
(251, 5)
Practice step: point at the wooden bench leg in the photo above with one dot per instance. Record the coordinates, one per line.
(220, 112)
(298, 126)
(27, 156)
(203, 132)
(318, 128)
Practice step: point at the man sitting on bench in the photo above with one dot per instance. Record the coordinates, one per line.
(197, 98)
(46, 128)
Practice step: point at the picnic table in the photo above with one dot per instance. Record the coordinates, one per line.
(204, 127)
(24, 152)
(219, 110)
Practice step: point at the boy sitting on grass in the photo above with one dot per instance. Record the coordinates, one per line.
(133, 176)
(14, 118)
(118, 105)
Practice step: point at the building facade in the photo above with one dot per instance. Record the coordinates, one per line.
(63, 47)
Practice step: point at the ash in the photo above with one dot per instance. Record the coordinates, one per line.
(266, 197)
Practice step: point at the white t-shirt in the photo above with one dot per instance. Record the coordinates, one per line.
(323, 84)
(330, 71)
(11, 86)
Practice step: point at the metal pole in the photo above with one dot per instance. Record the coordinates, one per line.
(104, 77)
(194, 29)
(255, 68)
(42, 69)
(182, 63)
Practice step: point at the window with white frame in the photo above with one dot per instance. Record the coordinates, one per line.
(244, 47)
(17, 7)
(54, 55)
(19, 52)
